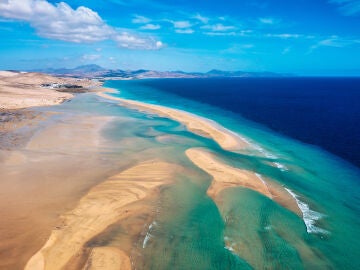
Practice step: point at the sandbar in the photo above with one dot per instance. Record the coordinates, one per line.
(225, 176)
(194, 123)
(102, 206)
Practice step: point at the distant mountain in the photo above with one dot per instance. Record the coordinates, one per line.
(98, 72)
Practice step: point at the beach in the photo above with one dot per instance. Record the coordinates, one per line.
(102, 182)
(204, 127)
(225, 177)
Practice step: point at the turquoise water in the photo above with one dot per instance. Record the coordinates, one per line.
(249, 230)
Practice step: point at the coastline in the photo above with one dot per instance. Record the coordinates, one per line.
(228, 140)
(196, 124)
(89, 218)
(226, 177)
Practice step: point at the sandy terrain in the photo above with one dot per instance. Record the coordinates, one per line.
(45, 178)
(17, 126)
(107, 258)
(104, 205)
(199, 125)
(225, 176)
(23, 90)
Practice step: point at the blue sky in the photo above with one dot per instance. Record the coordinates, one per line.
(306, 37)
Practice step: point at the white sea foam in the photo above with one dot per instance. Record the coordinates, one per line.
(148, 234)
(146, 239)
(253, 145)
(261, 179)
(266, 154)
(309, 216)
(280, 166)
(229, 244)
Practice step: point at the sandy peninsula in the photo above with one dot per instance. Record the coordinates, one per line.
(199, 125)
(225, 176)
(24, 90)
(102, 206)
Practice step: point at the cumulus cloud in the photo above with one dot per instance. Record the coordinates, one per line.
(348, 7)
(130, 41)
(62, 22)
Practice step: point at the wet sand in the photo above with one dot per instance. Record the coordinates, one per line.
(17, 127)
(199, 125)
(225, 176)
(107, 258)
(45, 178)
(104, 205)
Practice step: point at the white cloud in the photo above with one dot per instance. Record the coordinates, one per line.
(181, 24)
(286, 50)
(268, 20)
(348, 7)
(284, 36)
(184, 31)
(90, 57)
(238, 49)
(202, 19)
(140, 19)
(219, 27)
(334, 41)
(220, 33)
(150, 26)
(130, 41)
(61, 22)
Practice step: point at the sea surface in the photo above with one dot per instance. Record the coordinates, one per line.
(308, 128)
(319, 111)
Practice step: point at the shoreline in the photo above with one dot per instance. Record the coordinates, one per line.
(228, 140)
(226, 177)
(204, 127)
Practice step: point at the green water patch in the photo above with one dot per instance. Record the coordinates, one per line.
(265, 234)
(187, 233)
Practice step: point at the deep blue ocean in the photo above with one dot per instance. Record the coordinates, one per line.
(318, 111)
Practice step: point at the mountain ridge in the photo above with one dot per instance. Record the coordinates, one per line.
(94, 71)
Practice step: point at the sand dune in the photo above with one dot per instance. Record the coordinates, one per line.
(225, 176)
(199, 125)
(104, 205)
